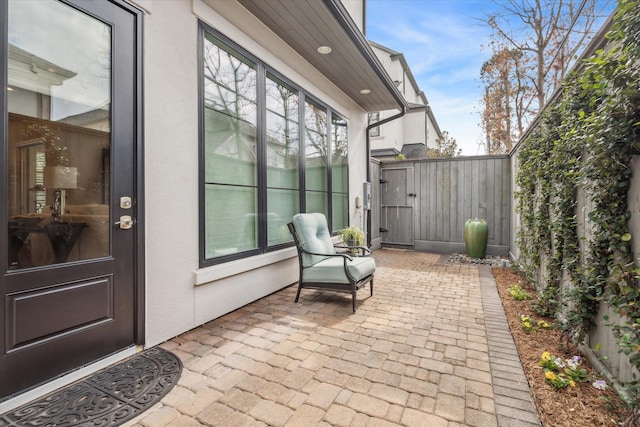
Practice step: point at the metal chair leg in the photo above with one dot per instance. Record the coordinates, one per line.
(298, 293)
(353, 297)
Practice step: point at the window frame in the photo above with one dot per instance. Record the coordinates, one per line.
(263, 72)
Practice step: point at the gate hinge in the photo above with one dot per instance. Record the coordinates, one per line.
(383, 181)
(383, 230)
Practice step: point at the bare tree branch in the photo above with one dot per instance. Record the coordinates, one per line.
(547, 34)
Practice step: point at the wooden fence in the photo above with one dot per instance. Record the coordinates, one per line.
(442, 194)
(607, 358)
(450, 191)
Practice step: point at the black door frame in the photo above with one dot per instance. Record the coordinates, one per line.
(139, 211)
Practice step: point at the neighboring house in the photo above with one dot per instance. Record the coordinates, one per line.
(415, 132)
(152, 155)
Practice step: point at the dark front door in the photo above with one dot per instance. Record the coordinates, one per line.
(68, 158)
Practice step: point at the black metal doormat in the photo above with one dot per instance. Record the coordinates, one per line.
(107, 398)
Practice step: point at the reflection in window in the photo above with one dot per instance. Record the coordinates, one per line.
(32, 163)
(316, 164)
(339, 175)
(283, 156)
(59, 107)
(255, 128)
(230, 153)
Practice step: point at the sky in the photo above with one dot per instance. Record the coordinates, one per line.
(444, 43)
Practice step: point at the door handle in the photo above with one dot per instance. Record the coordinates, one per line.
(125, 222)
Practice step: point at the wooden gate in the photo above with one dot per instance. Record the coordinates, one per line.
(396, 197)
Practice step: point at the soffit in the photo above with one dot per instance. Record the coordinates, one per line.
(351, 65)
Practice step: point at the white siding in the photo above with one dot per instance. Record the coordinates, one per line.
(415, 127)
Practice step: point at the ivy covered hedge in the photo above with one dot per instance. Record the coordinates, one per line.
(585, 142)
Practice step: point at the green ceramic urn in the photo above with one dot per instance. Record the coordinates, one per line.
(476, 234)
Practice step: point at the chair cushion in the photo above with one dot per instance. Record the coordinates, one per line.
(331, 270)
(314, 236)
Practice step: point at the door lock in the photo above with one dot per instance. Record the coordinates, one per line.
(125, 222)
(125, 202)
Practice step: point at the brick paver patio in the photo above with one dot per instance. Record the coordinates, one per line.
(430, 348)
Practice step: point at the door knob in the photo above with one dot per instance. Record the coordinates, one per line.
(125, 222)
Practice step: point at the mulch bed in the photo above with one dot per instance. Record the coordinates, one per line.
(581, 405)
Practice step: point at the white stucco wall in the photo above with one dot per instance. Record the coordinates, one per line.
(180, 295)
(432, 134)
(414, 127)
(391, 133)
(356, 11)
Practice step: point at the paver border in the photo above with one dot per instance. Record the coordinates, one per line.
(512, 394)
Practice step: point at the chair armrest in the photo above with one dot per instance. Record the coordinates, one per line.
(365, 251)
(327, 255)
(344, 257)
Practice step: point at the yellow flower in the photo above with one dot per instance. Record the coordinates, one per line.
(550, 375)
(527, 325)
(546, 356)
(572, 383)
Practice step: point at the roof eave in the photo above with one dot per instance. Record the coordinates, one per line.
(352, 65)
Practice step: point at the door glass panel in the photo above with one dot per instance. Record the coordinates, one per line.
(59, 127)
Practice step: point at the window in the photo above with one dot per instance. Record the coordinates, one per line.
(283, 159)
(374, 118)
(316, 161)
(339, 173)
(230, 142)
(254, 126)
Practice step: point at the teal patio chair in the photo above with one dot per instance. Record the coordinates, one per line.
(321, 267)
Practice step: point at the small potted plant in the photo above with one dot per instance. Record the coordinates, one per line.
(352, 236)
